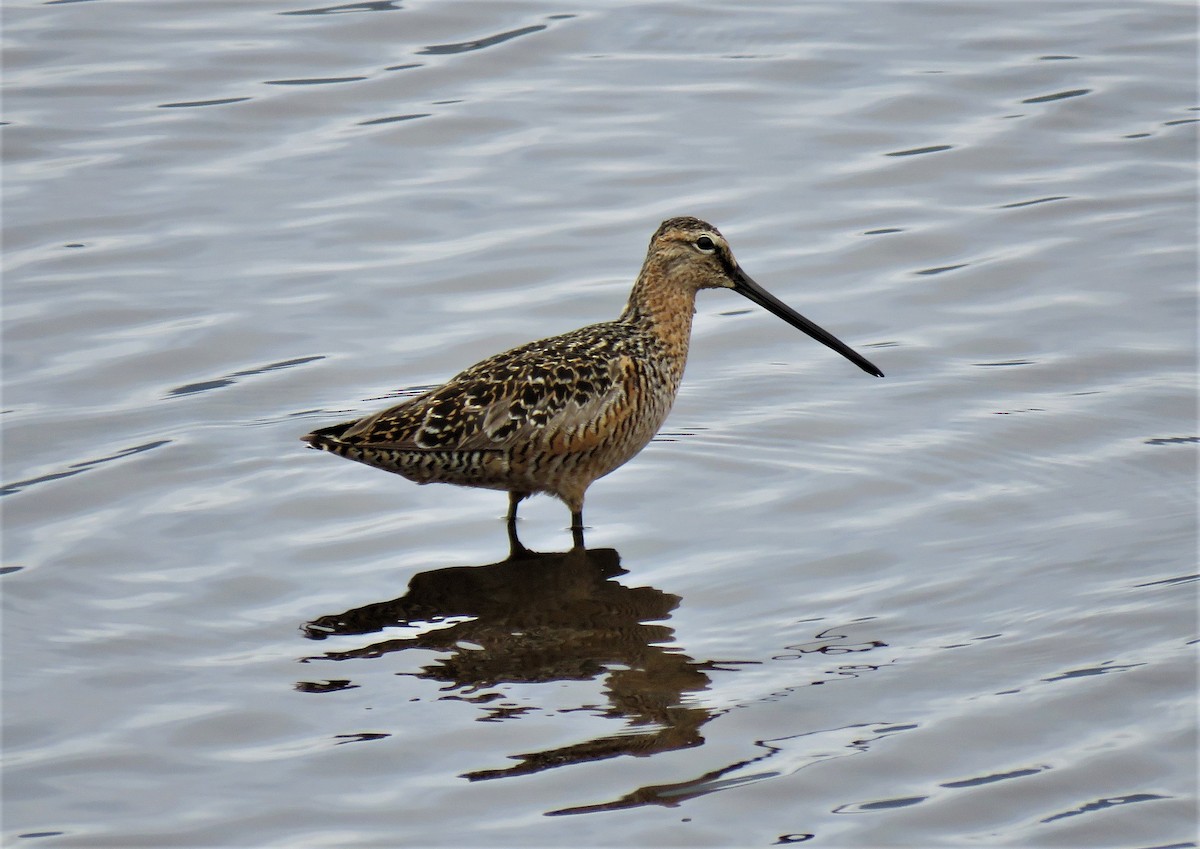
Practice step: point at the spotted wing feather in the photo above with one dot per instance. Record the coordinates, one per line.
(549, 392)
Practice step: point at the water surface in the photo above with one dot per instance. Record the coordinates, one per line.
(952, 607)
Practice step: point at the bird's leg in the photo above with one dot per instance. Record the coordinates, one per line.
(577, 526)
(515, 548)
(514, 498)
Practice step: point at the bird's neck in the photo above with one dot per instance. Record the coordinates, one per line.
(662, 308)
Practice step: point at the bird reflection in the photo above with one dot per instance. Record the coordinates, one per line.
(539, 617)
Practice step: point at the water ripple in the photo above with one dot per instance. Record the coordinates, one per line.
(916, 151)
(193, 103)
(1103, 804)
(376, 6)
(479, 43)
(231, 379)
(1061, 95)
(77, 468)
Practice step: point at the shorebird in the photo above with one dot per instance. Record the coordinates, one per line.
(554, 415)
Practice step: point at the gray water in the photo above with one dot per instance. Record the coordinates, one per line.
(952, 607)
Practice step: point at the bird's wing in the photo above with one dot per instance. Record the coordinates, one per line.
(555, 392)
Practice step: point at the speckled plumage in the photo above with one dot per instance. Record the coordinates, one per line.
(554, 415)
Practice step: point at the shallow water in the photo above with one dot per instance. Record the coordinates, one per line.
(952, 607)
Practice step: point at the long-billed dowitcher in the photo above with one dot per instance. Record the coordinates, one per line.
(554, 415)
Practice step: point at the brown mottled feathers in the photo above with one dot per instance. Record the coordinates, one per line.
(538, 418)
(530, 392)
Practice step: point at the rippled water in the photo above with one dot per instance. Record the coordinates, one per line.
(953, 607)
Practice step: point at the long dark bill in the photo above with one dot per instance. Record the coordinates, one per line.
(743, 285)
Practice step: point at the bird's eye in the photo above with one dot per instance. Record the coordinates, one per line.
(705, 244)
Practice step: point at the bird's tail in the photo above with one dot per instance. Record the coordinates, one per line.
(328, 438)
